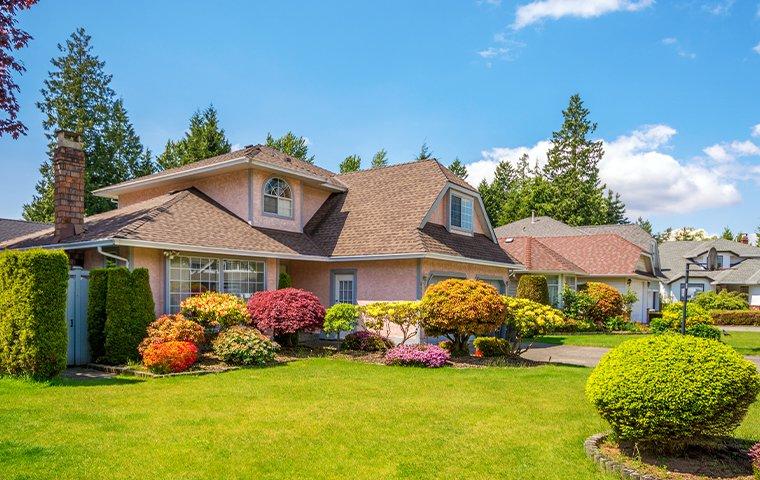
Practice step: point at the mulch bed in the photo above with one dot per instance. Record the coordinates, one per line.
(725, 460)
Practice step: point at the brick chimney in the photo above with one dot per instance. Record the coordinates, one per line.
(744, 238)
(68, 182)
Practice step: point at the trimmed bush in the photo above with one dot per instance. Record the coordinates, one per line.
(533, 287)
(736, 317)
(96, 312)
(668, 391)
(458, 309)
(526, 318)
(170, 357)
(215, 310)
(672, 314)
(365, 341)
(405, 315)
(284, 281)
(286, 312)
(723, 300)
(704, 331)
(430, 356)
(33, 327)
(341, 317)
(239, 345)
(172, 328)
(607, 302)
(492, 347)
(129, 311)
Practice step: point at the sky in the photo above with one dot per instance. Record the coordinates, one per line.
(674, 86)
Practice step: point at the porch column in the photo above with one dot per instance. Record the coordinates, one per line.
(271, 274)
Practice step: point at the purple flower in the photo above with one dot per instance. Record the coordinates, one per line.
(431, 356)
(754, 456)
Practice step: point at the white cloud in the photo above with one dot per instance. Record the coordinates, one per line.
(728, 152)
(669, 41)
(639, 166)
(676, 45)
(540, 10)
(756, 48)
(506, 48)
(494, 3)
(756, 130)
(718, 8)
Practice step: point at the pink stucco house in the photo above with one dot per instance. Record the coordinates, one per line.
(233, 222)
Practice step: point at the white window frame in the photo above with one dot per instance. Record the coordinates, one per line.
(279, 199)
(464, 199)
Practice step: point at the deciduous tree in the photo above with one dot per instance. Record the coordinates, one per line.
(11, 38)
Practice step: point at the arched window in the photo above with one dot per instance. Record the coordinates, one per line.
(278, 198)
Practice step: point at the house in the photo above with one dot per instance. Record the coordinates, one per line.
(736, 268)
(623, 256)
(233, 222)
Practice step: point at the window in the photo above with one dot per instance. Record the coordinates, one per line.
(553, 282)
(461, 212)
(344, 287)
(694, 288)
(572, 283)
(721, 261)
(189, 275)
(278, 198)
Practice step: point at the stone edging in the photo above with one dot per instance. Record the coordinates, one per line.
(145, 374)
(607, 464)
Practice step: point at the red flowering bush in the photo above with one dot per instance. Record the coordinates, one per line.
(172, 328)
(286, 312)
(459, 309)
(607, 302)
(170, 357)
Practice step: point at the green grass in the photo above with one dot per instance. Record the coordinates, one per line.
(746, 343)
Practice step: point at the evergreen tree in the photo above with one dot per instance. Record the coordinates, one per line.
(205, 139)
(495, 194)
(458, 168)
(727, 234)
(615, 209)
(425, 153)
(664, 236)
(646, 225)
(757, 236)
(380, 159)
(572, 169)
(292, 145)
(352, 163)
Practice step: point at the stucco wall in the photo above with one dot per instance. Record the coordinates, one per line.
(754, 296)
(154, 261)
(430, 267)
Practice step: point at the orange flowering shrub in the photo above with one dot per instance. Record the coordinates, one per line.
(608, 302)
(172, 328)
(215, 310)
(458, 309)
(170, 357)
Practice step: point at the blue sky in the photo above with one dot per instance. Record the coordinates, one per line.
(674, 86)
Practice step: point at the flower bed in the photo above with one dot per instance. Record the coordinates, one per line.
(431, 356)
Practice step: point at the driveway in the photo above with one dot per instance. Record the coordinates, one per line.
(739, 328)
(581, 356)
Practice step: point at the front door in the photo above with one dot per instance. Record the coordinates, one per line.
(345, 288)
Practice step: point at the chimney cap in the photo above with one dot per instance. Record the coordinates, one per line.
(65, 138)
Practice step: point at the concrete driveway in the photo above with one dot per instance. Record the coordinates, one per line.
(581, 356)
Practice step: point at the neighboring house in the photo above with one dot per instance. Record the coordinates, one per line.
(10, 228)
(233, 222)
(737, 268)
(623, 256)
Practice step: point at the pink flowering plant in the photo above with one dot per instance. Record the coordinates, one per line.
(754, 456)
(431, 356)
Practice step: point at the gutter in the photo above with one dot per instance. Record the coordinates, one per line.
(115, 257)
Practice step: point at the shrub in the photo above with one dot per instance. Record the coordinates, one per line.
(607, 302)
(33, 327)
(284, 281)
(672, 314)
(736, 317)
(286, 312)
(172, 328)
(458, 309)
(577, 304)
(668, 390)
(525, 318)
(533, 287)
(618, 324)
(341, 317)
(404, 314)
(492, 347)
(366, 342)
(431, 356)
(723, 300)
(241, 345)
(129, 311)
(170, 357)
(96, 312)
(703, 331)
(754, 457)
(215, 310)
(629, 298)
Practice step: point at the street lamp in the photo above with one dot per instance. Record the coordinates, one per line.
(710, 264)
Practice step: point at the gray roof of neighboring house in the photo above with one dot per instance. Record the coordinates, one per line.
(631, 232)
(673, 257)
(10, 228)
(537, 227)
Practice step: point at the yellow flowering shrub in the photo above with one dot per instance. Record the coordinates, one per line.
(525, 318)
(405, 315)
(215, 310)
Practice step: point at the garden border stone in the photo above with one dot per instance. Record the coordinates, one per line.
(141, 373)
(609, 465)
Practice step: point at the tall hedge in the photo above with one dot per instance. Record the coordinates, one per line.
(129, 311)
(33, 329)
(533, 287)
(96, 312)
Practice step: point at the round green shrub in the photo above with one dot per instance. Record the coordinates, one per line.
(533, 287)
(240, 345)
(723, 300)
(704, 331)
(668, 391)
(672, 314)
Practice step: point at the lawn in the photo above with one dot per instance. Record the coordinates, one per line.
(747, 343)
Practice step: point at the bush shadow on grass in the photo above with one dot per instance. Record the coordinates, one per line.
(94, 382)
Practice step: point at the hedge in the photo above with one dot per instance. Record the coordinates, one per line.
(736, 317)
(96, 312)
(533, 287)
(33, 327)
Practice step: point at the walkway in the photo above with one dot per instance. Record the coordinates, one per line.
(581, 356)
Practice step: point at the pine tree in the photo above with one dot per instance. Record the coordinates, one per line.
(352, 163)
(458, 168)
(76, 96)
(425, 153)
(495, 194)
(615, 209)
(292, 145)
(646, 225)
(727, 234)
(380, 159)
(205, 139)
(573, 169)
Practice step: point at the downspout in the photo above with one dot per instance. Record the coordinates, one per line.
(115, 257)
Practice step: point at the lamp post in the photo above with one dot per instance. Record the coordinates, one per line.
(685, 299)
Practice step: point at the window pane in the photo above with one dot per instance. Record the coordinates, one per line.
(190, 276)
(270, 204)
(467, 214)
(243, 278)
(456, 211)
(283, 207)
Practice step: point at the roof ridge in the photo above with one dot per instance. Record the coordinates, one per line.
(25, 221)
(385, 167)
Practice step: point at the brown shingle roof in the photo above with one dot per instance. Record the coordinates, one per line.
(538, 257)
(10, 228)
